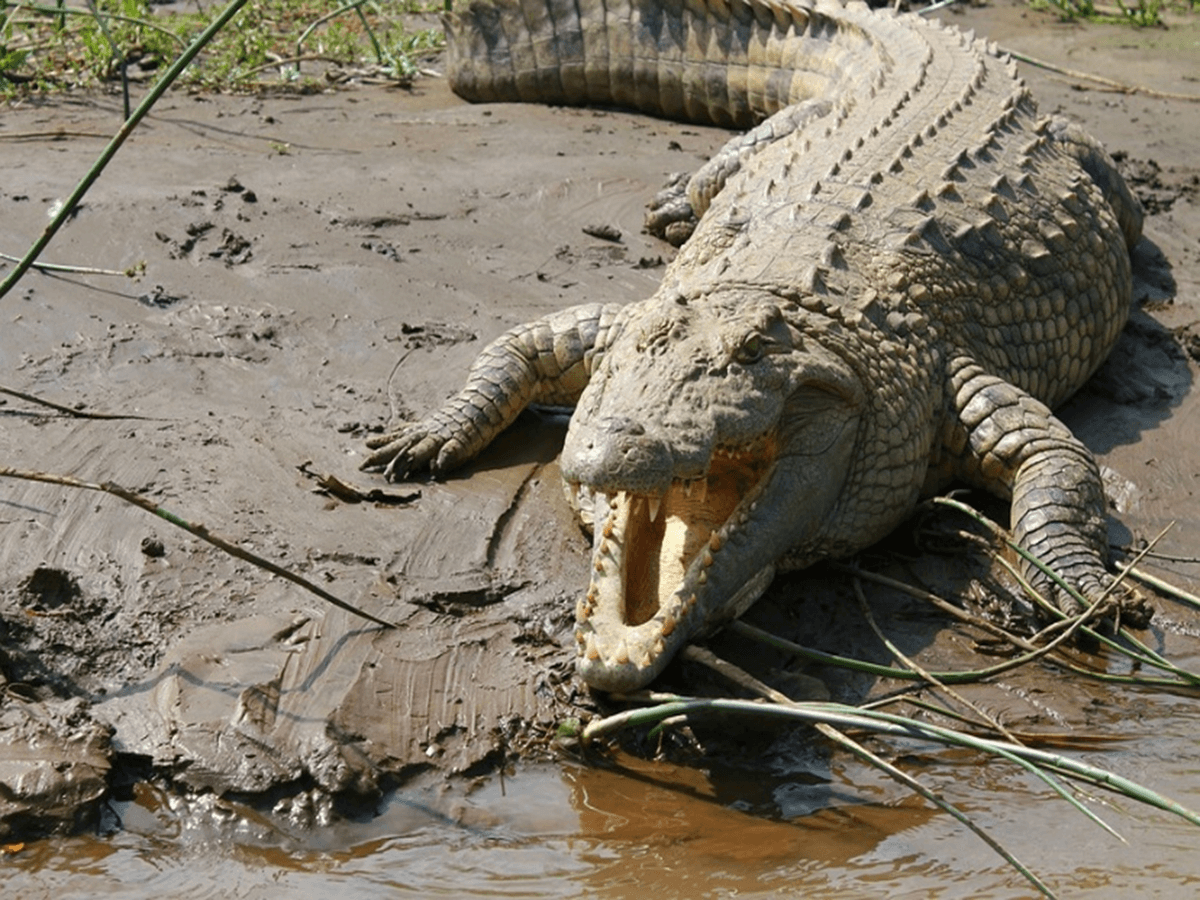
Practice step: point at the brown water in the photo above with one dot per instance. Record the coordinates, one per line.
(811, 825)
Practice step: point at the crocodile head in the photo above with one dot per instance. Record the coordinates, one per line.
(715, 437)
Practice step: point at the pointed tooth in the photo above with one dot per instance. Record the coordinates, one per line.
(687, 489)
(582, 610)
(592, 651)
(580, 638)
(654, 504)
(708, 558)
(659, 647)
(703, 577)
(702, 489)
(691, 601)
(621, 656)
(714, 542)
(644, 662)
(668, 624)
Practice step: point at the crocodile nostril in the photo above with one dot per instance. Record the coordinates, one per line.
(621, 425)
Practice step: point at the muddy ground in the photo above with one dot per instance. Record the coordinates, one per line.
(316, 267)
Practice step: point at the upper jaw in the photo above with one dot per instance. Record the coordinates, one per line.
(669, 565)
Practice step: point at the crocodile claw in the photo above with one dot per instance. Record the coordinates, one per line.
(408, 450)
(670, 215)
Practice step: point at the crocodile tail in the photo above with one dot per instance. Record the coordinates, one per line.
(1104, 173)
(724, 62)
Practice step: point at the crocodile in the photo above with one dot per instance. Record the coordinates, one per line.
(893, 273)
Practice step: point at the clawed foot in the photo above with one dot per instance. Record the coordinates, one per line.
(410, 449)
(1122, 605)
(670, 215)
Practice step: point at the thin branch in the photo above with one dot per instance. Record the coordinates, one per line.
(66, 410)
(131, 272)
(841, 715)
(747, 681)
(937, 800)
(1164, 586)
(991, 721)
(68, 207)
(199, 531)
(1108, 83)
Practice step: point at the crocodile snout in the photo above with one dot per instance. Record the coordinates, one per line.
(616, 454)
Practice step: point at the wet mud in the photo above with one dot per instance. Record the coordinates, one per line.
(318, 267)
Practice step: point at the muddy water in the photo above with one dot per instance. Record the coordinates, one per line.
(388, 236)
(572, 830)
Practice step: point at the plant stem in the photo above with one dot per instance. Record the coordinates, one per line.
(199, 531)
(118, 139)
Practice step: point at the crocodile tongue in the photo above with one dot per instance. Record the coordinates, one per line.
(665, 568)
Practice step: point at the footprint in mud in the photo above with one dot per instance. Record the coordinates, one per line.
(234, 249)
(386, 249)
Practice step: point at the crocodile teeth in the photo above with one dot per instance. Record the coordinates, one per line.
(592, 651)
(621, 656)
(668, 625)
(654, 503)
(701, 490)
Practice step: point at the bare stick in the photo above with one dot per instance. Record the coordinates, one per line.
(1111, 85)
(991, 721)
(66, 410)
(199, 531)
(131, 272)
(749, 682)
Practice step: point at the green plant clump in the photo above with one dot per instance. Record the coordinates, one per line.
(1142, 13)
(46, 47)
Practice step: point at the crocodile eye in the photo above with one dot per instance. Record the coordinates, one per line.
(750, 351)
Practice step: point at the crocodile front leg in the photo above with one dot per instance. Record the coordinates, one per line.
(545, 361)
(1010, 444)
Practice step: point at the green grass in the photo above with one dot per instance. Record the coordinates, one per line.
(45, 48)
(1142, 13)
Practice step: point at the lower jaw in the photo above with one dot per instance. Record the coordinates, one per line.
(633, 656)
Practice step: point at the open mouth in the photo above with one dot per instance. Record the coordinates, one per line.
(657, 563)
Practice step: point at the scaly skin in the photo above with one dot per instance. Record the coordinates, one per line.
(892, 278)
